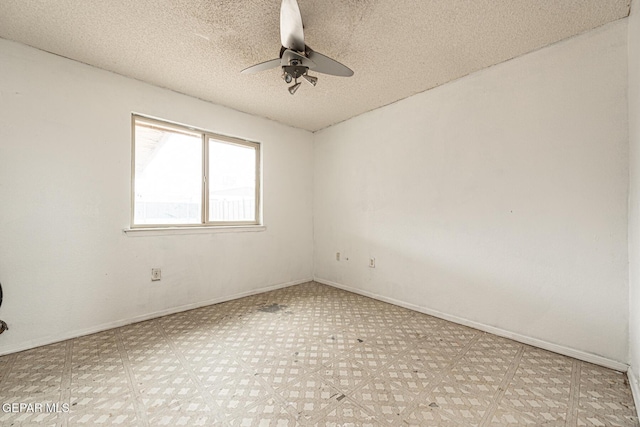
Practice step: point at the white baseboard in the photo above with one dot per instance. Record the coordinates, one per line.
(577, 354)
(123, 322)
(635, 388)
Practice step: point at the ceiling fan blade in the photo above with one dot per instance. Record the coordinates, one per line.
(291, 32)
(326, 65)
(262, 66)
(289, 54)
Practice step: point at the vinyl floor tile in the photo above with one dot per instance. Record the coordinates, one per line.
(307, 355)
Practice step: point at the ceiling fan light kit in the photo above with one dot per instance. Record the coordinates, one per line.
(296, 58)
(312, 80)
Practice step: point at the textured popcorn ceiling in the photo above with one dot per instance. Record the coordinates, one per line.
(396, 47)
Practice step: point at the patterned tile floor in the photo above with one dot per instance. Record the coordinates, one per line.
(306, 355)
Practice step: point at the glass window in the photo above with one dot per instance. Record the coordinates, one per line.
(232, 181)
(184, 177)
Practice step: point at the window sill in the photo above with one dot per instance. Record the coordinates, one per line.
(168, 231)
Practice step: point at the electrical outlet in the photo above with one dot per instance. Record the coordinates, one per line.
(337, 256)
(156, 274)
(372, 262)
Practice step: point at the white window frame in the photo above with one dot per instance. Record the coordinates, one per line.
(205, 137)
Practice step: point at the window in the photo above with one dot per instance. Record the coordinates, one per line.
(187, 177)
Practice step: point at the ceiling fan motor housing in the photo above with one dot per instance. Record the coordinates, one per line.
(295, 71)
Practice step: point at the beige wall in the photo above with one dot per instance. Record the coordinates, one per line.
(634, 196)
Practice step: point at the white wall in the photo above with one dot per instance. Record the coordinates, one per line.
(65, 151)
(500, 198)
(634, 196)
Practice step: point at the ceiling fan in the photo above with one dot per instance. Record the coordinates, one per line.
(296, 58)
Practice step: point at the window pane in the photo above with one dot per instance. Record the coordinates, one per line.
(168, 177)
(232, 182)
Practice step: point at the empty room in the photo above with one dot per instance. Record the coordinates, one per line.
(319, 213)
